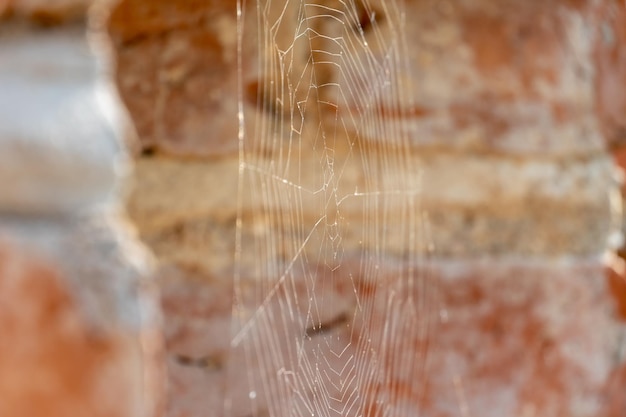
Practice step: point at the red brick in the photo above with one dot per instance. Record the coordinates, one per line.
(610, 81)
(197, 313)
(522, 338)
(502, 338)
(617, 286)
(616, 394)
(45, 12)
(176, 73)
(52, 361)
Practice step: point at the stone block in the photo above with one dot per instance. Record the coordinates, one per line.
(59, 124)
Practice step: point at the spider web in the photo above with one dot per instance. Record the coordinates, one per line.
(333, 295)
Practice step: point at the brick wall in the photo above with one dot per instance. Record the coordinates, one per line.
(79, 326)
(516, 109)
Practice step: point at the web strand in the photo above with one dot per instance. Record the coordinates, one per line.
(333, 296)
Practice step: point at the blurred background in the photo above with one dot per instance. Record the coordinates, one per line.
(119, 171)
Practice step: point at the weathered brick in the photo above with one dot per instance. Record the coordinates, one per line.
(508, 109)
(53, 360)
(80, 327)
(197, 310)
(616, 400)
(500, 337)
(45, 12)
(610, 80)
(106, 275)
(522, 337)
(507, 79)
(176, 73)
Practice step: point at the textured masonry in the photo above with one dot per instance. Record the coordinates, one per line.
(79, 323)
(517, 106)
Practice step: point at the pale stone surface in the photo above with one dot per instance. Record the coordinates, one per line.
(492, 202)
(58, 124)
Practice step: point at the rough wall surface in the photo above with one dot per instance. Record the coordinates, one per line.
(45, 12)
(77, 313)
(515, 106)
